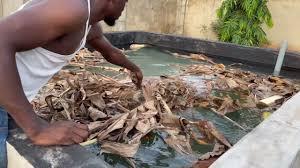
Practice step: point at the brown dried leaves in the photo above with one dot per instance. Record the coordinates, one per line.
(248, 88)
(119, 116)
(125, 150)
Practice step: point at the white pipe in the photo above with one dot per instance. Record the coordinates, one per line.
(280, 58)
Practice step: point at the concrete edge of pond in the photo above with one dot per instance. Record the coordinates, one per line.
(243, 54)
(22, 153)
(275, 143)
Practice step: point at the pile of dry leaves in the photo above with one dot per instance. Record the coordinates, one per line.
(119, 115)
(232, 89)
(239, 89)
(86, 59)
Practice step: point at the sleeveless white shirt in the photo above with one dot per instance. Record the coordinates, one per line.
(37, 66)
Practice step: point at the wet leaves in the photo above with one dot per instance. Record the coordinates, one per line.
(119, 116)
(212, 133)
(179, 143)
(248, 88)
(209, 158)
(205, 163)
(225, 105)
(125, 150)
(217, 151)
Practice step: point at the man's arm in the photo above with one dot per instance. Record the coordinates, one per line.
(24, 30)
(111, 53)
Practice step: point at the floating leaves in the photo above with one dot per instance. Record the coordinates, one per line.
(125, 150)
(238, 89)
(119, 116)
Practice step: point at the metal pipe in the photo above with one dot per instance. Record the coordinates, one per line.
(184, 15)
(280, 58)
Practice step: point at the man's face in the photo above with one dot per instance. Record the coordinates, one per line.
(116, 9)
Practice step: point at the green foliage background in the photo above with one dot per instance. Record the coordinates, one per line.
(240, 21)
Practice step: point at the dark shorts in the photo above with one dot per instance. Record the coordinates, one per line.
(3, 136)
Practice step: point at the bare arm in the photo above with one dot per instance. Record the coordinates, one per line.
(25, 30)
(111, 53)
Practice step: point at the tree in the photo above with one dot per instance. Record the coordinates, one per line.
(240, 22)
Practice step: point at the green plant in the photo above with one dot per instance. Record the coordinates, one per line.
(240, 21)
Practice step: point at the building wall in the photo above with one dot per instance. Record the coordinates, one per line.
(193, 18)
(7, 6)
(150, 15)
(200, 16)
(286, 15)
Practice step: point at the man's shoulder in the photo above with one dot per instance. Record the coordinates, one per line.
(69, 9)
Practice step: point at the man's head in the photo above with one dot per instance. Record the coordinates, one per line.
(114, 11)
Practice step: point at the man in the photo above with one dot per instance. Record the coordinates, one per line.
(36, 42)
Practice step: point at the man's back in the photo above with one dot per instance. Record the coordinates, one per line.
(67, 43)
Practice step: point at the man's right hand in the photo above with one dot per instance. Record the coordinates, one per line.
(60, 133)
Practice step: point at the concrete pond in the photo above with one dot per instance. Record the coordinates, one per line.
(270, 143)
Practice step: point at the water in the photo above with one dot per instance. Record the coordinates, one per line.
(260, 69)
(153, 151)
(155, 62)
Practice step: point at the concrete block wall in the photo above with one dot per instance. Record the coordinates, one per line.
(193, 18)
(149, 15)
(8, 6)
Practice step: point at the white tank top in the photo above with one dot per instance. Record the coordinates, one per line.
(37, 66)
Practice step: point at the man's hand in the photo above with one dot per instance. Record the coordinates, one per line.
(61, 133)
(137, 78)
(113, 54)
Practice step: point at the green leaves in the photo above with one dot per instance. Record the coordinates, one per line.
(239, 21)
(250, 7)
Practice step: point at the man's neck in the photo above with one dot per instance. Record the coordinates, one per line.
(97, 10)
